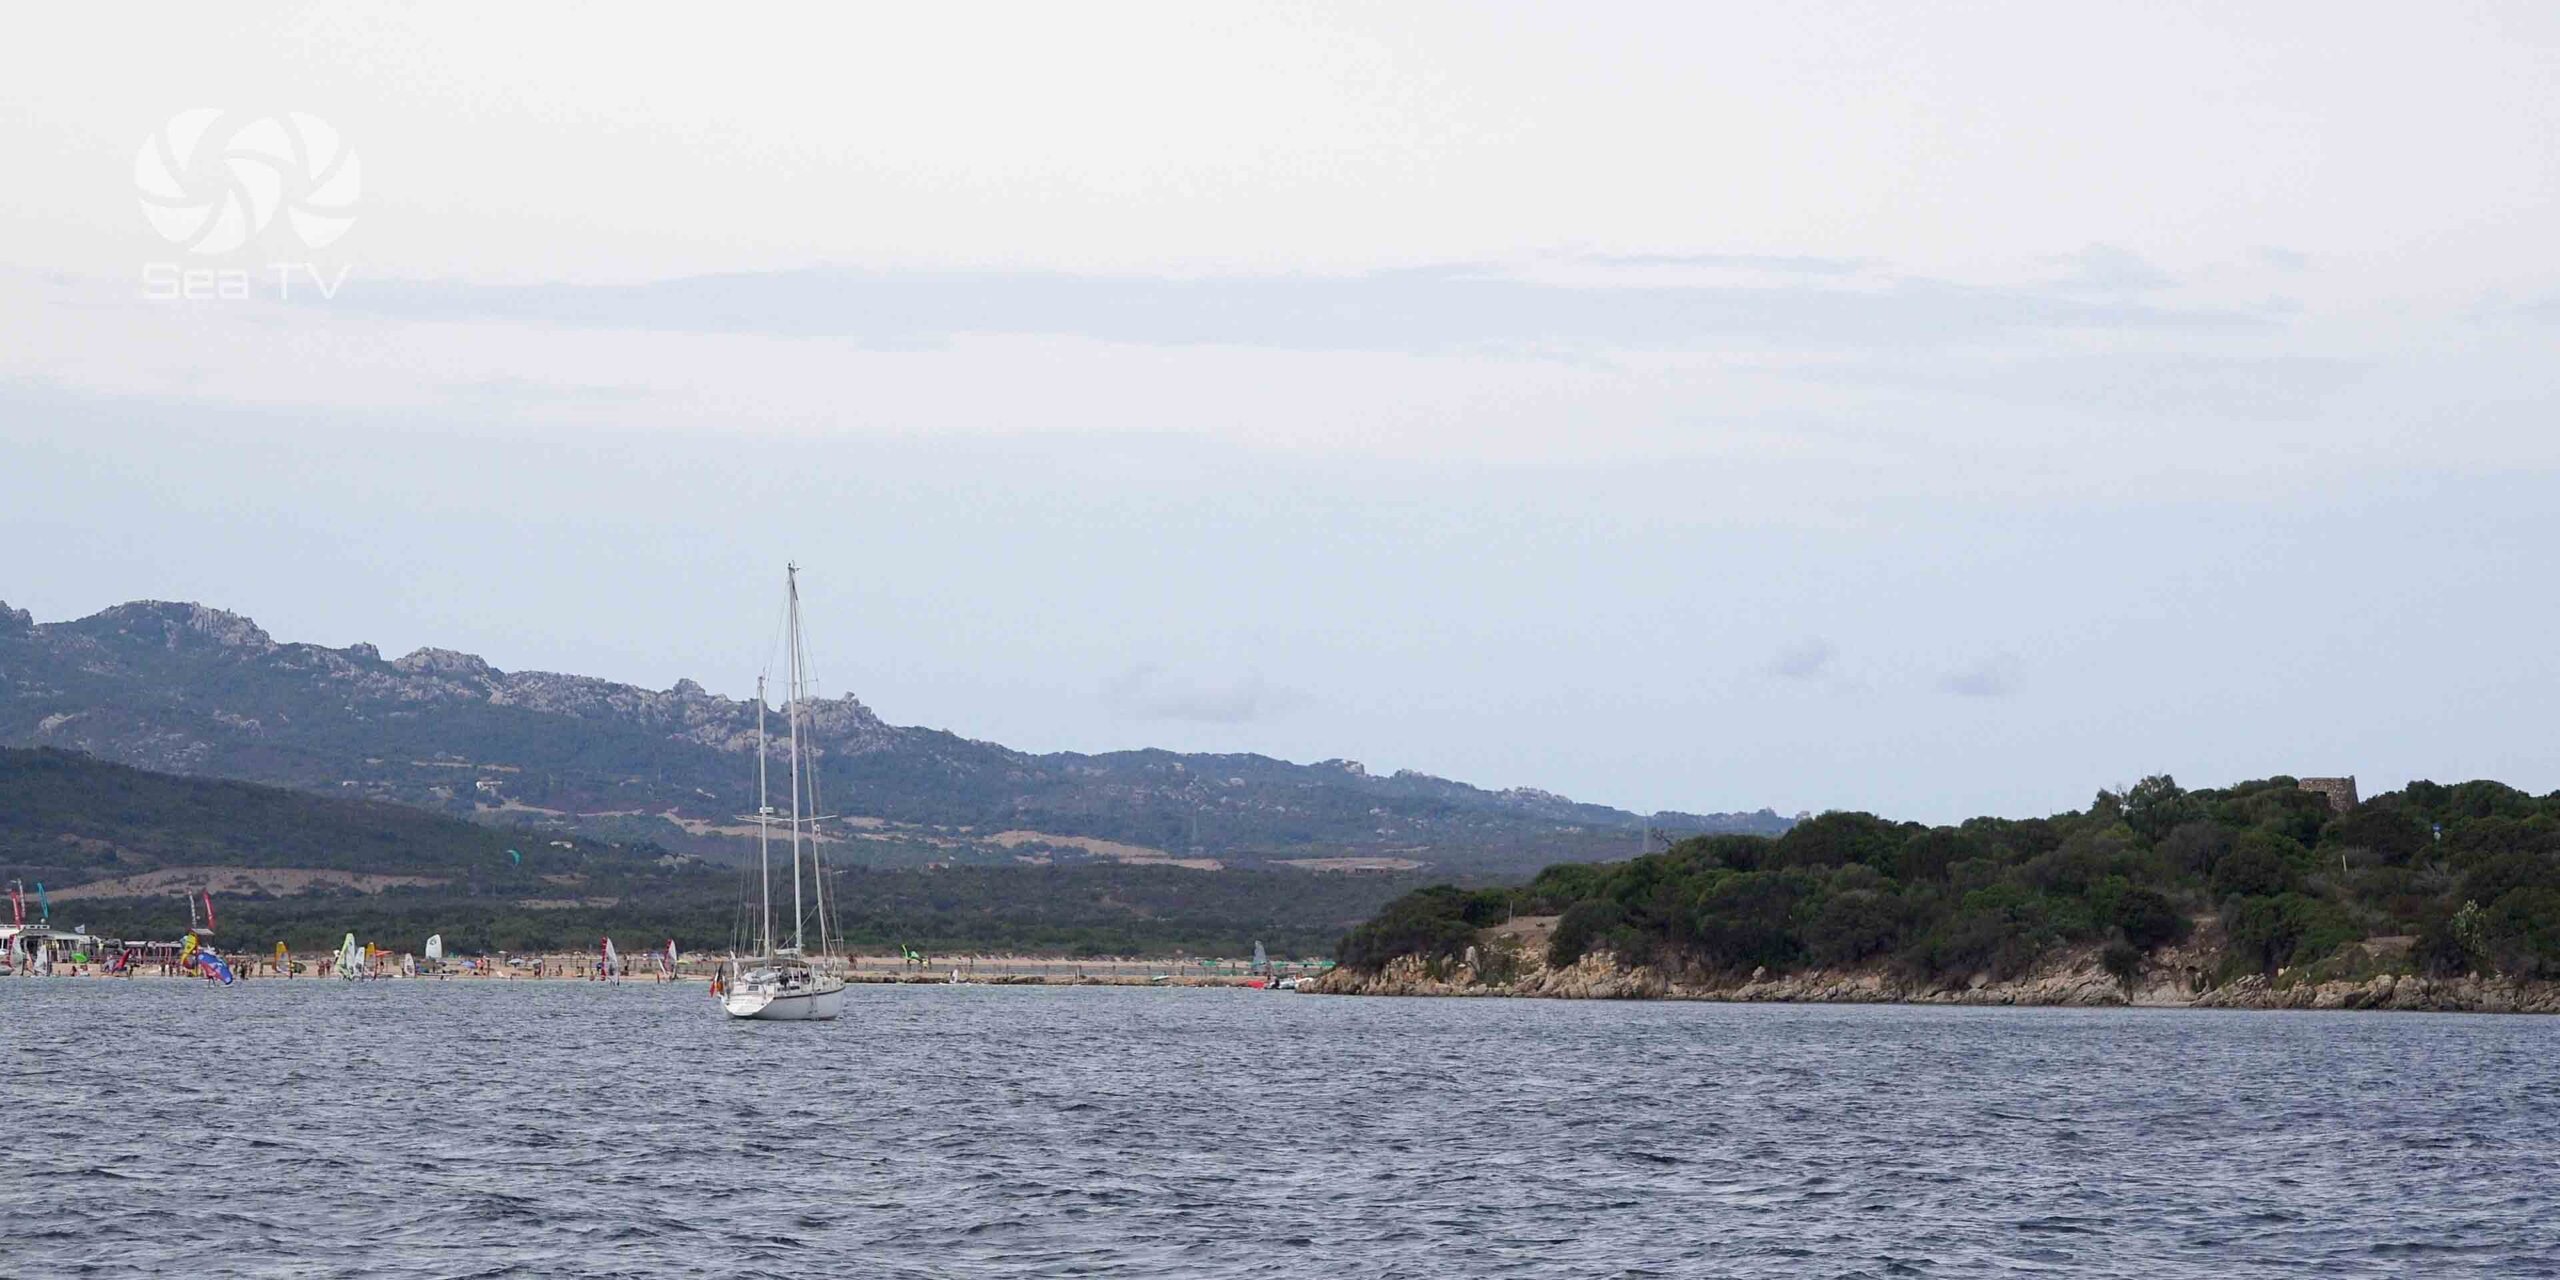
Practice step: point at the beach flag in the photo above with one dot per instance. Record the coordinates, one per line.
(515, 858)
(18, 903)
(208, 910)
(42, 902)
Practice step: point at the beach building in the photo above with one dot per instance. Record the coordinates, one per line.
(22, 946)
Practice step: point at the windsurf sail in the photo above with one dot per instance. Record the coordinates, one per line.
(212, 964)
(350, 960)
(670, 955)
(435, 947)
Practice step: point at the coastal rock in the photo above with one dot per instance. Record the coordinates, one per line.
(2072, 979)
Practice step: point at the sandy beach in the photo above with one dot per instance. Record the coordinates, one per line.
(579, 967)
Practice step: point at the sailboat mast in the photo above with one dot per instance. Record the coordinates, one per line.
(817, 805)
(764, 821)
(792, 581)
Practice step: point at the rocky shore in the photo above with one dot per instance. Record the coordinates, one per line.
(2073, 980)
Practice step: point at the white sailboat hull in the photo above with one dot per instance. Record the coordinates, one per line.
(791, 1006)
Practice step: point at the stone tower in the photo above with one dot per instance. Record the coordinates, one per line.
(2340, 791)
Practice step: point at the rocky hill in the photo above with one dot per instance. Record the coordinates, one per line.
(194, 690)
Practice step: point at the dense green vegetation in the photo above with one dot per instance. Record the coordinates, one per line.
(67, 819)
(2471, 872)
(1066, 911)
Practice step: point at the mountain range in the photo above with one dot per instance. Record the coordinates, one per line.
(187, 689)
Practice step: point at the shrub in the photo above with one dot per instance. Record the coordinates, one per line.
(2255, 868)
(2194, 847)
(1837, 838)
(1976, 939)
(1849, 927)
(1434, 923)
(1743, 924)
(1931, 854)
(1584, 927)
(2146, 917)
(2440, 950)
(2122, 959)
(2273, 931)
(2521, 933)
(2388, 830)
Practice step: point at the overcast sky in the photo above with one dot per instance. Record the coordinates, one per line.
(1937, 410)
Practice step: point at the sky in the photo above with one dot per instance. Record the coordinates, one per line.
(1930, 410)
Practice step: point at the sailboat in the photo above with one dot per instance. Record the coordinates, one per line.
(782, 984)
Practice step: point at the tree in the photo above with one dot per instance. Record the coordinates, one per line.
(2157, 805)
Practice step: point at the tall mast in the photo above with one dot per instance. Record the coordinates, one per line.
(817, 803)
(764, 821)
(792, 583)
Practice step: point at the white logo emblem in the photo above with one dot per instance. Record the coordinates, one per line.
(213, 195)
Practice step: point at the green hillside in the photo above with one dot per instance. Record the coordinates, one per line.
(2469, 874)
(68, 821)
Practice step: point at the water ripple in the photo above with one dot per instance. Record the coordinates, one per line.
(474, 1131)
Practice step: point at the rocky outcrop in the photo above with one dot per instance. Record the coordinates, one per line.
(2470, 993)
(444, 662)
(2073, 979)
(177, 625)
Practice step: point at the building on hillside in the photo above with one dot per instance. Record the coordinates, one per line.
(2340, 791)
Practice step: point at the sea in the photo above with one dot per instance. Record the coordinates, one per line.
(538, 1129)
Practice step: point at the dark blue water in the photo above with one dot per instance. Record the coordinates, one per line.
(422, 1129)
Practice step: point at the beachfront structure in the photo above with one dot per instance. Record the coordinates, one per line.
(21, 944)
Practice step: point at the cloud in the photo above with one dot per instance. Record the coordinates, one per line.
(2108, 269)
(2260, 388)
(1149, 691)
(1807, 659)
(1427, 310)
(1993, 677)
(1793, 264)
